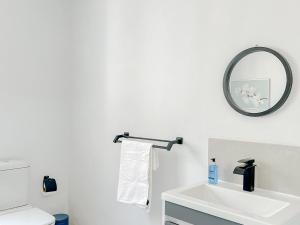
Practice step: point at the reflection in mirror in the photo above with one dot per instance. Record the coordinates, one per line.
(257, 81)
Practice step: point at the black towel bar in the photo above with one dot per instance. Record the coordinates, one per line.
(179, 140)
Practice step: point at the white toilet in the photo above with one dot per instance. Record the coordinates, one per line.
(14, 187)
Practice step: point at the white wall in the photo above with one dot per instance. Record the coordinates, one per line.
(155, 68)
(34, 95)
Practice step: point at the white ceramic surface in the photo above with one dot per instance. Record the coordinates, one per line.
(235, 200)
(230, 202)
(26, 216)
(14, 208)
(14, 184)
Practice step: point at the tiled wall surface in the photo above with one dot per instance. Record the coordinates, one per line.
(278, 166)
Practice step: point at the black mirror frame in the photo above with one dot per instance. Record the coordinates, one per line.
(236, 60)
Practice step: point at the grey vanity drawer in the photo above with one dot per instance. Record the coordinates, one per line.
(193, 216)
(170, 223)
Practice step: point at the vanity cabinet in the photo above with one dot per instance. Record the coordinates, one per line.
(190, 216)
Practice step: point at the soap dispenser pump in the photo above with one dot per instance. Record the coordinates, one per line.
(213, 172)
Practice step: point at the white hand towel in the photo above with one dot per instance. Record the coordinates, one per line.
(135, 178)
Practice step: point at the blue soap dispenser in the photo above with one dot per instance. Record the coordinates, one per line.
(213, 172)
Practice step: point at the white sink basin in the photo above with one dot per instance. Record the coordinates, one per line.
(239, 201)
(230, 202)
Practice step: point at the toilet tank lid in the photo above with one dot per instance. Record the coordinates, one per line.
(31, 216)
(12, 164)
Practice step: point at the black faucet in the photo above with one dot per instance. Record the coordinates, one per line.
(248, 171)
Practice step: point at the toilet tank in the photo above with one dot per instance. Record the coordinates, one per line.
(14, 184)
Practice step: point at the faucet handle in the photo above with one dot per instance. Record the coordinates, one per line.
(248, 161)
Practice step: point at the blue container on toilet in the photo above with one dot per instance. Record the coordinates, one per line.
(61, 219)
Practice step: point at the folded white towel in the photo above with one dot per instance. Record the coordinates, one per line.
(135, 178)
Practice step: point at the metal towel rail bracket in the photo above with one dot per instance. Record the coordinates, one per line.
(179, 140)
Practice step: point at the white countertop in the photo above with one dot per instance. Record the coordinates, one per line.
(288, 215)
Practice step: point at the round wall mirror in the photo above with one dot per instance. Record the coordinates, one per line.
(257, 81)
